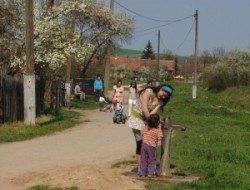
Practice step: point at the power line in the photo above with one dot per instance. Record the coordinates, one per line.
(167, 22)
(184, 38)
(159, 26)
(183, 41)
(129, 10)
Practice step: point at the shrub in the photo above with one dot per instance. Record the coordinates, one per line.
(231, 70)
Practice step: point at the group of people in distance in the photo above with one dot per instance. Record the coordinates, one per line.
(143, 117)
(98, 89)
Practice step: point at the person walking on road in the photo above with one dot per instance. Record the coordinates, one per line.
(132, 96)
(98, 88)
(150, 101)
(118, 94)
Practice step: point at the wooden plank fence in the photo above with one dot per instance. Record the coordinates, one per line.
(12, 100)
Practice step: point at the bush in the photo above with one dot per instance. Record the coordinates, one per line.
(231, 70)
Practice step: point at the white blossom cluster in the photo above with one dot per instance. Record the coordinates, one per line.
(55, 40)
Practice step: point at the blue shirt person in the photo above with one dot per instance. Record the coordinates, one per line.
(98, 88)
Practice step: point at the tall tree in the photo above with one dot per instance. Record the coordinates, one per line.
(148, 52)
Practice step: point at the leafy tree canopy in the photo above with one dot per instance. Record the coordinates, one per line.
(55, 40)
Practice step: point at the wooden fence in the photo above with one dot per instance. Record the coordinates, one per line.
(57, 94)
(12, 100)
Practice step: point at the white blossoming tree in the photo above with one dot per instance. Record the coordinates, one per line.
(55, 42)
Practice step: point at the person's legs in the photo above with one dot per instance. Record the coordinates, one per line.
(138, 140)
(138, 153)
(83, 96)
(98, 94)
(151, 161)
(144, 160)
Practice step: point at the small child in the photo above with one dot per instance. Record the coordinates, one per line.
(102, 102)
(151, 134)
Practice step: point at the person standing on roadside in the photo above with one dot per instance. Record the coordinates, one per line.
(98, 88)
(150, 101)
(118, 94)
(151, 135)
(132, 95)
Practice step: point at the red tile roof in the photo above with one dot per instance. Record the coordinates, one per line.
(134, 64)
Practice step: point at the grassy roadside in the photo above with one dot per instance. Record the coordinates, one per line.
(45, 124)
(216, 145)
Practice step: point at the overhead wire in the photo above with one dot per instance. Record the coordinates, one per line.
(178, 47)
(129, 10)
(160, 26)
(167, 22)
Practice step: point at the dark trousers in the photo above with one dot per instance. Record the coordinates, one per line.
(148, 160)
(97, 95)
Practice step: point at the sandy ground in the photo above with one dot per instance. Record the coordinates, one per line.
(81, 156)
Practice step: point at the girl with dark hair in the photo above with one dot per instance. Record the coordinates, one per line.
(151, 135)
(150, 100)
(118, 94)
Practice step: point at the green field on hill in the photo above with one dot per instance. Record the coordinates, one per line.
(127, 53)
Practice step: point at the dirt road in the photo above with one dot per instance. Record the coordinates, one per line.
(81, 156)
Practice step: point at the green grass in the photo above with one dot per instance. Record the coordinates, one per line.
(19, 131)
(216, 144)
(88, 104)
(46, 124)
(127, 53)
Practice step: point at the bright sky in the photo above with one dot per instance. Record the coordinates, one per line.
(221, 24)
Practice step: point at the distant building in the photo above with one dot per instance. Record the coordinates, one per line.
(122, 65)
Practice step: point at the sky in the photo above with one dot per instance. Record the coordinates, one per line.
(221, 24)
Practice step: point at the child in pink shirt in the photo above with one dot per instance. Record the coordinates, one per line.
(151, 134)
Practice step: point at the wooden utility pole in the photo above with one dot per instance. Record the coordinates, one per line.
(108, 53)
(158, 60)
(194, 93)
(29, 77)
(69, 64)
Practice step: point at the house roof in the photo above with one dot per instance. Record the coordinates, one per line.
(134, 64)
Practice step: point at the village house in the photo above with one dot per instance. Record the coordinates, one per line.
(125, 66)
